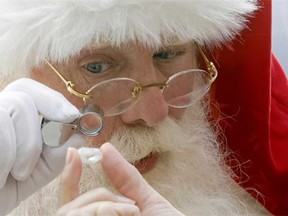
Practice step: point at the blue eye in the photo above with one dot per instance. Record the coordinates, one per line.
(96, 67)
(166, 55)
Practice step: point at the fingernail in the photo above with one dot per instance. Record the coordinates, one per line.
(125, 200)
(69, 156)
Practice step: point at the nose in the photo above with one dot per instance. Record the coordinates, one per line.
(151, 109)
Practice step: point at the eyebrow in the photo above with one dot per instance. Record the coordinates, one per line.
(104, 50)
(177, 46)
(108, 48)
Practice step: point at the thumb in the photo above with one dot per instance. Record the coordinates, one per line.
(126, 179)
(70, 178)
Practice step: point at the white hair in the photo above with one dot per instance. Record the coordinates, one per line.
(191, 172)
(34, 30)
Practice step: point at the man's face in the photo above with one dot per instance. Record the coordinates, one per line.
(146, 66)
(176, 150)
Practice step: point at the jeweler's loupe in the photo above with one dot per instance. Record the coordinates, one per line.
(89, 123)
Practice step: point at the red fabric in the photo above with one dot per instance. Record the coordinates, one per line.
(253, 91)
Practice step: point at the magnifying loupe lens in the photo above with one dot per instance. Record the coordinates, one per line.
(91, 123)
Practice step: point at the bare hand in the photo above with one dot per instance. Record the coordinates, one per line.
(138, 197)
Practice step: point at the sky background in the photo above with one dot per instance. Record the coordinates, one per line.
(280, 31)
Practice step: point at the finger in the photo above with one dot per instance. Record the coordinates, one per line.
(8, 146)
(26, 128)
(96, 195)
(103, 208)
(50, 103)
(69, 185)
(126, 178)
(70, 178)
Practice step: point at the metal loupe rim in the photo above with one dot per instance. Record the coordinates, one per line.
(89, 132)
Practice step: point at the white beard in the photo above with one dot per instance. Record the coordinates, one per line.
(190, 172)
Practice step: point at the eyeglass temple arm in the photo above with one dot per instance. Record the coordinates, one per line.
(69, 84)
(210, 65)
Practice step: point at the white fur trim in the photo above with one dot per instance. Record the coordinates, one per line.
(32, 30)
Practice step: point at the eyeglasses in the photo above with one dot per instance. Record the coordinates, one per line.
(117, 95)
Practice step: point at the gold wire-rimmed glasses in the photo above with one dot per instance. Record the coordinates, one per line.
(117, 95)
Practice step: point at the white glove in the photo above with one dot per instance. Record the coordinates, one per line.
(25, 163)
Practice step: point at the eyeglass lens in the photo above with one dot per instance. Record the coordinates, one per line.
(115, 96)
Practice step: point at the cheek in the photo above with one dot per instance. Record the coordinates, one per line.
(55, 83)
(176, 113)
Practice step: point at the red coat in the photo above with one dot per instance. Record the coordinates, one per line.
(253, 90)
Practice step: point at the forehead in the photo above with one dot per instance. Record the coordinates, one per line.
(132, 48)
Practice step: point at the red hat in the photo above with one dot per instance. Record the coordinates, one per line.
(252, 90)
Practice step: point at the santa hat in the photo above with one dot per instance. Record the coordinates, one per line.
(34, 30)
(251, 88)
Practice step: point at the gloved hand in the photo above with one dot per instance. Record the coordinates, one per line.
(25, 163)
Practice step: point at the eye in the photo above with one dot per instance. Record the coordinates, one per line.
(97, 67)
(166, 55)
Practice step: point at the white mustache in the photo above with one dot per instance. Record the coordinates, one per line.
(136, 142)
